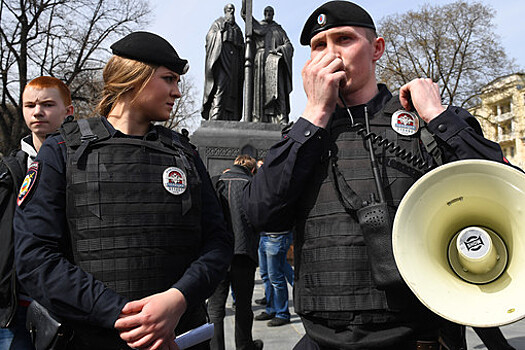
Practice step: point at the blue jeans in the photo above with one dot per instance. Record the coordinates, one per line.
(288, 272)
(16, 337)
(272, 266)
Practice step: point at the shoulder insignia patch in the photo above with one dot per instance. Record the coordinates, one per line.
(28, 183)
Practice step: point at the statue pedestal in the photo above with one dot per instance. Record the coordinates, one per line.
(220, 142)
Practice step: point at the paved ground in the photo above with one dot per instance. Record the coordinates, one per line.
(285, 337)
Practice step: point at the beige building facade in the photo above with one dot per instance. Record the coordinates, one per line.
(502, 115)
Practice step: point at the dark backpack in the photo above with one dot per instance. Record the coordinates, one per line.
(12, 172)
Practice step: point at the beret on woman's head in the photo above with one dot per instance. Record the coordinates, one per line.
(150, 48)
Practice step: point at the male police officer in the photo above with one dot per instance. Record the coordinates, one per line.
(46, 103)
(318, 176)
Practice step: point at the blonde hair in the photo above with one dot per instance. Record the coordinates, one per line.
(245, 161)
(122, 75)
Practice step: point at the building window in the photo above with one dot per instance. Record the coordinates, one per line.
(506, 127)
(501, 107)
(505, 107)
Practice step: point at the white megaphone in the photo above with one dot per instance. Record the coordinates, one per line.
(459, 242)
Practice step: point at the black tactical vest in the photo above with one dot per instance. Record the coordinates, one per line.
(127, 230)
(334, 273)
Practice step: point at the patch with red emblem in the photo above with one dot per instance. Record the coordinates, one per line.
(174, 180)
(405, 123)
(28, 183)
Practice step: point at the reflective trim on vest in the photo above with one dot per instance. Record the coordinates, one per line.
(334, 272)
(126, 229)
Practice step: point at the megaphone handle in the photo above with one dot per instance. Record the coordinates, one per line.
(373, 161)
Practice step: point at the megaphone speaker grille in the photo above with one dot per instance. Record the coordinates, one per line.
(459, 195)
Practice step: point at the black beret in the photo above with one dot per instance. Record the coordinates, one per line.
(335, 14)
(150, 48)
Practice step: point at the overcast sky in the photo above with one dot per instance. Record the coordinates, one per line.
(185, 24)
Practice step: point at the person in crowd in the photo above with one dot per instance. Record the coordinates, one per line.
(278, 270)
(119, 233)
(275, 272)
(319, 178)
(46, 102)
(241, 274)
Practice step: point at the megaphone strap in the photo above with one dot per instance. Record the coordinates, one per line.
(431, 145)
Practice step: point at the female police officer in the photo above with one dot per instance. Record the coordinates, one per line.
(116, 209)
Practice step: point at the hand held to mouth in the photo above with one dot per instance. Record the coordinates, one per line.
(323, 76)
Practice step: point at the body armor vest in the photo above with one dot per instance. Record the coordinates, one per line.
(334, 273)
(126, 229)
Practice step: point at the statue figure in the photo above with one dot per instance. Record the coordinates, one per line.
(224, 69)
(272, 69)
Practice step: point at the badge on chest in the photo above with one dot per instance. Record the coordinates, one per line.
(405, 123)
(174, 180)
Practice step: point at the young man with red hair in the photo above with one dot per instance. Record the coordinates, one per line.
(46, 102)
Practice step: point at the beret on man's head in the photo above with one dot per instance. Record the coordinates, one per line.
(335, 14)
(150, 48)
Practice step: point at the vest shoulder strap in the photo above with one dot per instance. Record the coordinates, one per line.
(174, 139)
(82, 133)
(392, 105)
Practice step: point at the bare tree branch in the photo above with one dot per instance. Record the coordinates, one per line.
(453, 44)
(67, 39)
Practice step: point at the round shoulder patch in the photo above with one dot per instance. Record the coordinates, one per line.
(174, 180)
(405, 123)
(28, 183)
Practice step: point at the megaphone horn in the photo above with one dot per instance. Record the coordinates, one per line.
(459, 242)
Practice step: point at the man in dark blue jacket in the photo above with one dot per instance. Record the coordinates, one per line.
(46, 103)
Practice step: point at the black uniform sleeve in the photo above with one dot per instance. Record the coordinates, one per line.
(460, 137)
(6, 241)
(271, 196)
(6, 192)
(42, 247)
(202, 277)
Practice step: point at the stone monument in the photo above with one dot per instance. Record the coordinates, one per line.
(267, 84)
(224, 69)
(272, 69)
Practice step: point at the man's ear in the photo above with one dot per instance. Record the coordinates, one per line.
(379, 48)
(70, 110)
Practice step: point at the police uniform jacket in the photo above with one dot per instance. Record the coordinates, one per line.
(9, 185)
(293, 174)
(44, 254)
